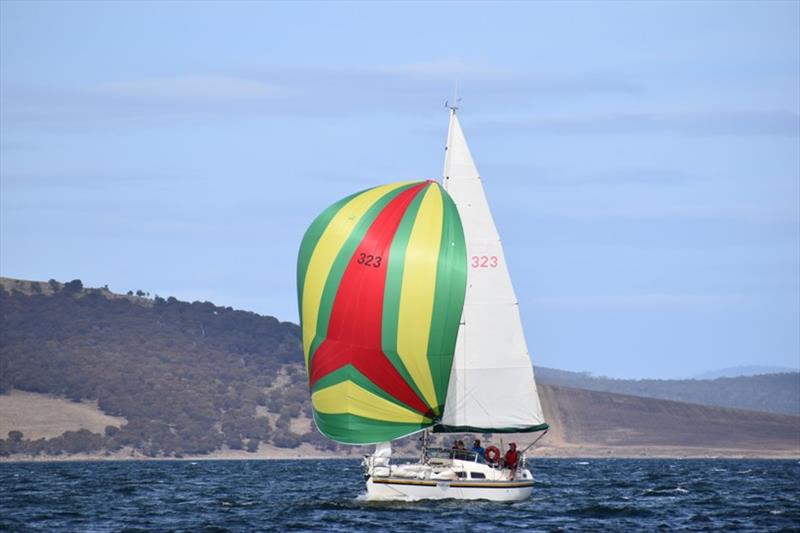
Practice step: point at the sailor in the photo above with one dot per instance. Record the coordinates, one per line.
(477, 448)
(454, 450)
(512, 458)
(459, 451)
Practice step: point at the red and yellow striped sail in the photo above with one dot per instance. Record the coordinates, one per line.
(381, 277)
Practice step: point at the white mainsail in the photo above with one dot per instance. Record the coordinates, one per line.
(491, 384)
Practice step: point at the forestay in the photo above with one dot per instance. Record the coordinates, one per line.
(491, 388)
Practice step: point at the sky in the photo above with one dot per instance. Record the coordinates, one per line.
(642, 159)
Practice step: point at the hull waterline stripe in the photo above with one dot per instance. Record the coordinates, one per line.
(456, 484)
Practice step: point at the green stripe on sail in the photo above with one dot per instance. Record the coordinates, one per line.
(440, 428)
(340, 265)
(351, 373)
(393, 290)
(310, 240)
(451, 286)
(354, 429)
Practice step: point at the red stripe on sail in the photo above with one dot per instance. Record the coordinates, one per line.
(354, 330)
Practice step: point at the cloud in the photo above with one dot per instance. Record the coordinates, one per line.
(86, 180)
(557, 177)
(484, 75)
(450, 69)
(696, 123)
(632, 176)
(641, 301)
(654, 211)
(300, 91)
(199, 89)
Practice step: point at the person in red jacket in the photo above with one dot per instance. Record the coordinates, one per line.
(512, 458)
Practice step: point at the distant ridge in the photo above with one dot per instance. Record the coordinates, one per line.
(749, 370)
(774, 393)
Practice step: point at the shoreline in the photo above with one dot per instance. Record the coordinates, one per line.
(569, 452)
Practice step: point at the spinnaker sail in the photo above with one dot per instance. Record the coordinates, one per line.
(381, 278)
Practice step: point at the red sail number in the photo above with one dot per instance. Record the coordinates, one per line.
(483, 261)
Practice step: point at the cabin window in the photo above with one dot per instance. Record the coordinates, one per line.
(461, 475)
(477, 475)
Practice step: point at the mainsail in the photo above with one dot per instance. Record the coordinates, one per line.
(491, 385)
(381, 277)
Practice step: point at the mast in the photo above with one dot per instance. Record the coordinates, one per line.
(446, 172)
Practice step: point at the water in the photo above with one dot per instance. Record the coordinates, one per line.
(570, 495)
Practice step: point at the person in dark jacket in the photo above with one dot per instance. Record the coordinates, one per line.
(477, 448)
(459, 451)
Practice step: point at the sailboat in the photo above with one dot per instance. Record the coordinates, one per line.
(410, 324)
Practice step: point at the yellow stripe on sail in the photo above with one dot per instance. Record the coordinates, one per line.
(417, 292)
(347, 397)
(325, 252)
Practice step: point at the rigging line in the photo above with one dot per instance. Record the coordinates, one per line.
(464, 374)
(537, 440)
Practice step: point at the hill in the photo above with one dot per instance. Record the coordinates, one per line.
(187, 379)
(601, 423)
(775, 393)
(745, 370)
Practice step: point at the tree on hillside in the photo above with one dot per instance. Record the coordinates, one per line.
(74, 286)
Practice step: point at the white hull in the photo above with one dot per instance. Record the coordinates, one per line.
(441, 477)
(409, 489)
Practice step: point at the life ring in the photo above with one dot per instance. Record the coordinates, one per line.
(492, 454)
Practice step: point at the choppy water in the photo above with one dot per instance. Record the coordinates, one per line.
(570, 495)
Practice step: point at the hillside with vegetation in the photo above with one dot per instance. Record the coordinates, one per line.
(189, 378)
(181, 379)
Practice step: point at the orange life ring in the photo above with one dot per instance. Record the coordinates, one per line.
(492, 454)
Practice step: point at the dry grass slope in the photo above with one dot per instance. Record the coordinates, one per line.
(43, 416)
(601, 419)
